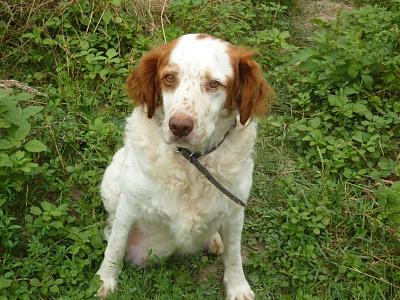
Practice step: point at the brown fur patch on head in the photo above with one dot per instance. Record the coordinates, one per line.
(143, 84)
(202, 36)
(247, 90)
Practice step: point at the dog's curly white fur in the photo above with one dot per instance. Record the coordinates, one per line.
(158, 202)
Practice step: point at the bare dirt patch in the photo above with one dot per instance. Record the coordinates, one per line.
(325, 10)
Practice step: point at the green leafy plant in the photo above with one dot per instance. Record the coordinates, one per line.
(346, 107)
(16, 160)
(389, 202)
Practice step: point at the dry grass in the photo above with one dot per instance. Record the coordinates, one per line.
(152, 12)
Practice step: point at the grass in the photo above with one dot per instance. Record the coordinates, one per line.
(309, 233)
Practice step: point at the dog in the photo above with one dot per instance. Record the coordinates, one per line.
(202, 94)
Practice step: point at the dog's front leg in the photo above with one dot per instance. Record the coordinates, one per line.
(236, 284)
(115, 250)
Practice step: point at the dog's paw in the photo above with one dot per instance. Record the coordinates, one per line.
(107, 287)
(215, 245)
(108, 284)
(240, 293)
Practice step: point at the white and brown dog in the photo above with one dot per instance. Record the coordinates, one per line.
(199, 93)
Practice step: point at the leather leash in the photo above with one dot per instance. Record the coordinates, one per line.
(192, 157)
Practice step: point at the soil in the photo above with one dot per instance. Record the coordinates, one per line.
(326, 10)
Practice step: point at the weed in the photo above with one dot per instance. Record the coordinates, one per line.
(16, 150)
(345, 107)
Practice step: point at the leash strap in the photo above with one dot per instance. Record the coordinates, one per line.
(192, 157)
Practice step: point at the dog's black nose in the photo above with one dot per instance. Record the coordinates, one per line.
(180, 124)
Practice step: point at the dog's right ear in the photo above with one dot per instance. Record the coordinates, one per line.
(142, 83)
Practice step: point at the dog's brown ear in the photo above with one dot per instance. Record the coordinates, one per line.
(142, 82)
(251, 92)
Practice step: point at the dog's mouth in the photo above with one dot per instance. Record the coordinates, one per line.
(187, 142)
(183, 142)
(179, 141)
(194, 141)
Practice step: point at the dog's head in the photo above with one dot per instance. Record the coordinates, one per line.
(196, 83)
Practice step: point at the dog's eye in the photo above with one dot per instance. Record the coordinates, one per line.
(169, 79)
(214, 84)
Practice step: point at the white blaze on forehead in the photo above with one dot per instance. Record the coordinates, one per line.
(195, 55)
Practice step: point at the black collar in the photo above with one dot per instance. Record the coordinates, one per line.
(208, 151)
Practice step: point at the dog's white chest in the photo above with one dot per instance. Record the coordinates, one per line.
(190, 211)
